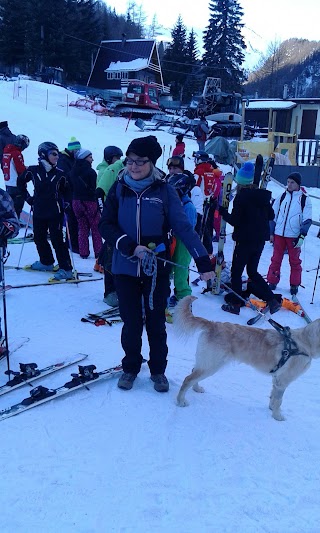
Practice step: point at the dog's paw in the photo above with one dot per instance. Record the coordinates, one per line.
(198, 388)
(182, 402)
(278, 416)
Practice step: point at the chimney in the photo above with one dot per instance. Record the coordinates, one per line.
(123, 39)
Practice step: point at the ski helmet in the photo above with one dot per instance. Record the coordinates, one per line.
(111, 151)
(176, 161)
(22, 141)
(182, 183)
(201, 156)
(45, 148)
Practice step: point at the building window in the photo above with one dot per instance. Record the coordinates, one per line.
(117, 75)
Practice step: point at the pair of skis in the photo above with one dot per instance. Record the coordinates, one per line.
(299, 310)
(40, 394)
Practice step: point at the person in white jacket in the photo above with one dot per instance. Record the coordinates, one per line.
(293, 218)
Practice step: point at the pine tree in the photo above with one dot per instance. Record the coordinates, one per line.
(195, 78)
(174, 70)
(224, 45)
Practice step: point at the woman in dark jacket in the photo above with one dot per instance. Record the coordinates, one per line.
(250, 217)
(139, 211)
(84, 203)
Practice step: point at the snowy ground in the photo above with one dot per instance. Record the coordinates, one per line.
(103, 460)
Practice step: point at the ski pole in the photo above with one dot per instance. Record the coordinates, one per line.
(163, 153)
(24, 238)
(6, 340)
(75, 273)
(315, 281)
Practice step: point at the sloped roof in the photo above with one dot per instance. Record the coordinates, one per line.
(270, 104)
(118, 50)
(135, 64)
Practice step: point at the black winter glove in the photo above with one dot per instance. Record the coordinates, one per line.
(223, 211)
(204, 264)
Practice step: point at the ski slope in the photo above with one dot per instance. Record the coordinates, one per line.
(105, 460)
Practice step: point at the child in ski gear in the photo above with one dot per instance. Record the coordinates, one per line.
(250, 218)
(49, 185)
(140, 209)
(201, 132)
(182, 183)
(6, 137)
(84, 202)
(9, 223)
(65, 163)
(13, 167)
(108, 171)
(176, 166)
(293, 218)
(180, 147)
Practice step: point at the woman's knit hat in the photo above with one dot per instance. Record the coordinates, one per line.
(145, 147)
(245, 174)
(73, 145)
(83, 153)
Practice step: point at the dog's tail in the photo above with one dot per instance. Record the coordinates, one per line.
(185, 323)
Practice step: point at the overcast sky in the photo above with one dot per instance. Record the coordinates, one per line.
(265, 20)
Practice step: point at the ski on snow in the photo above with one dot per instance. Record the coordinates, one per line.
(40, 394)
(304, 315)
(55, 282)
(29, 372)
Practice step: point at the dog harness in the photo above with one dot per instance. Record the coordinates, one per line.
(290, 346)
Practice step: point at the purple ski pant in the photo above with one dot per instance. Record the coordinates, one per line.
(88, 216)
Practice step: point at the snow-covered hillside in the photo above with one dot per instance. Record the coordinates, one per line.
(104, 460)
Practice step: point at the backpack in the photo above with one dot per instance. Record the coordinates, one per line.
(211, 184)
(199, 133)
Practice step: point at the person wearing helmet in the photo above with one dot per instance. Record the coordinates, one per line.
(183, 184)
(13, 168)
(180, 147)
(108, 171)
(65, 163)
(49, 184)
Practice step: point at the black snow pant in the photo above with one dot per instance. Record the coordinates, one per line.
(130, 291)
(40, 230)
(247, 254)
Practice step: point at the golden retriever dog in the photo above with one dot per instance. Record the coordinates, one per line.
(220, 343)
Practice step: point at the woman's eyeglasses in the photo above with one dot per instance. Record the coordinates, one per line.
(138, 162)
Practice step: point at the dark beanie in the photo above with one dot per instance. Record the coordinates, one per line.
(295, 176)
(3, 124)
(146, 147)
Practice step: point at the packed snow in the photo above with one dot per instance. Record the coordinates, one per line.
(104, 460)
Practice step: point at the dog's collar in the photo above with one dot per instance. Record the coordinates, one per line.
(290, 346)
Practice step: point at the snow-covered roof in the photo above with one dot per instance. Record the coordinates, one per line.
(135, 64)
(270, 104)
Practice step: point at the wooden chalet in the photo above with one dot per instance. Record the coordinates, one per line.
(120, 60)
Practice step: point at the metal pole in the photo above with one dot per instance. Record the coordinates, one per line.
(6, 341)
(315, 282)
